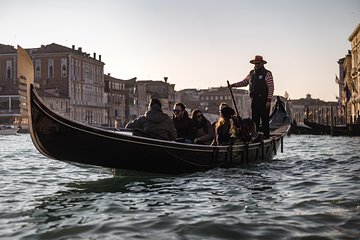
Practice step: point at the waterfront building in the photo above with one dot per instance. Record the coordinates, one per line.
(10, 112)
(314, 110)
(190, 97)
(211, 98)
(345, 85)
(115, 89)
(354, 79)
(139, 93)
(75, 75)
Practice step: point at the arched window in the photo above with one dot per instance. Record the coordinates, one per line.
(51, 71)
(8, 73)
(37, 68)
(50, 68)
(37, 74)
(8, 69)
(63, 67)
(63, 71)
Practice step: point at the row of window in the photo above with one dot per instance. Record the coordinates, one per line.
(90, 116)
(89, 72)
(116, 98)
(216, 98)
(117, 86)
(56, 102)
(50, 68)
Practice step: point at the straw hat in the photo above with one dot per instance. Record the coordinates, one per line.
(258, 59)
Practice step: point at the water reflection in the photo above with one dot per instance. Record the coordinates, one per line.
(309, 191)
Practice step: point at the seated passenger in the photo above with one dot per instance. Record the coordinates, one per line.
(154, 123)
(226, 127)
(204, 132)
(183, 124)
(248, 131)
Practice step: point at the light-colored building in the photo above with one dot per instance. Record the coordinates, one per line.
(115, 89)
(210, 100)
(76, 75)
(139, 93)
(345, 84)
(59, 104)
(10, 112)
(354, 79)
(314, 110)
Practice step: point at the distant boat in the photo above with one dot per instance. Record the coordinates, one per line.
(300, 128)
(328, 130)
(8, 130)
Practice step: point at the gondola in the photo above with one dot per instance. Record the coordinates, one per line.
(327, 129)
(8, 130)
(352, 129)
(63, 139)
(302, 129)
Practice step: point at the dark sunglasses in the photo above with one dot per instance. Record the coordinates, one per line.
(200, 116)
(176, 111)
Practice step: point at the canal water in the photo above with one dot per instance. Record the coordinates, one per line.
(310, 191)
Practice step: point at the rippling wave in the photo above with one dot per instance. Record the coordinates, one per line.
(310, 191)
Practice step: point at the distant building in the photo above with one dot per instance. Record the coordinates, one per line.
(139, 93)
(75, 75)
(314, 109)
(57, 103)
(345, 84)
(162, 90)
(353, 81)
(71, 81)
(116, 93)
(9, 91)
(211, 99)
(190, 97)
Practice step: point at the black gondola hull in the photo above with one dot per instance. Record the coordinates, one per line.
(63, 139)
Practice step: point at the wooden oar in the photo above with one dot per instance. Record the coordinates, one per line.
(232, 96)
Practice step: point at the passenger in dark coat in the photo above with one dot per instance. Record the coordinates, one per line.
(183, 124)
(155, 123)
(204, 131)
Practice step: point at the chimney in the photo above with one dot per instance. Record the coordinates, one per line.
(73, 47)
(94, 55)
(165, 79)
(108, 74)
(100, 58)
(80, 49)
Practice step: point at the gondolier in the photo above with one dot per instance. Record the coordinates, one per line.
(261, 87)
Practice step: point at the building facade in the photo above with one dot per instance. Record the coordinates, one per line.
(345, 86)
(75, 75)
(211, 98)
(139, 93)
(10, 112)
(115, 89)
(354, 78)
(314, 110)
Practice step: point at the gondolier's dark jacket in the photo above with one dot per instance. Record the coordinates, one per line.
(261, 84)
(156, 123)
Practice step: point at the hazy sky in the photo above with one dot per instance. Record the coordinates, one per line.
(196, 43)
